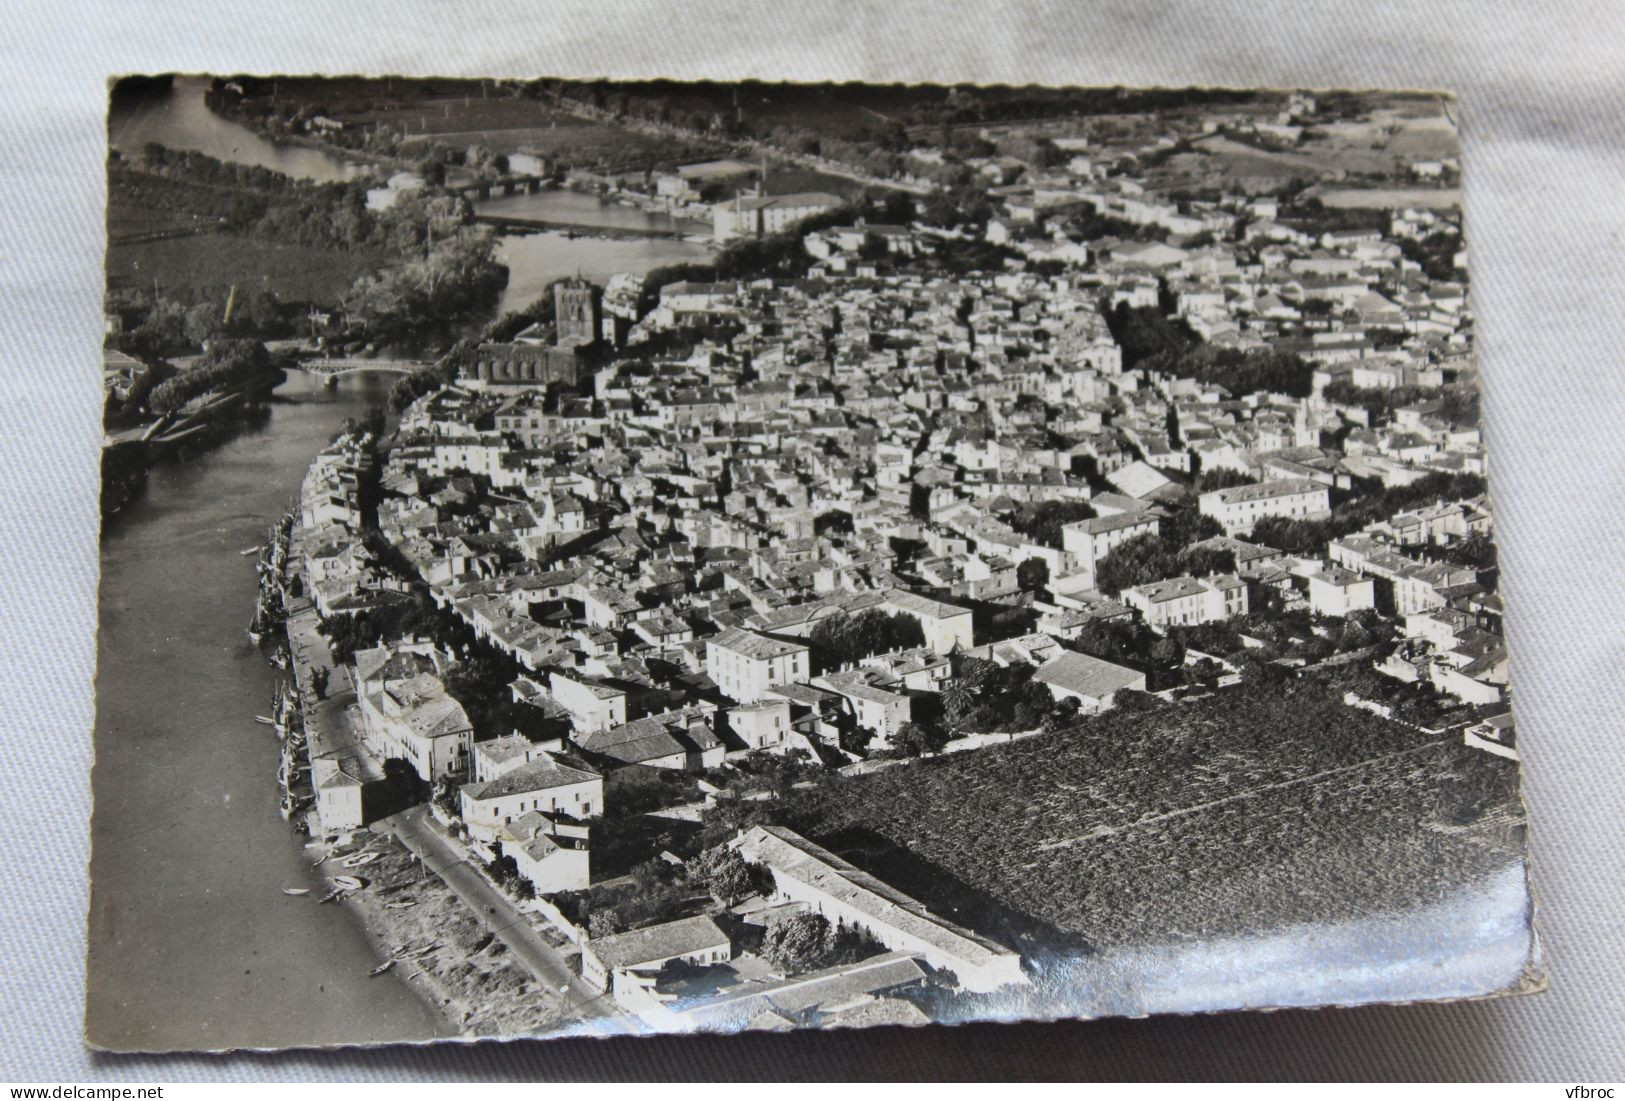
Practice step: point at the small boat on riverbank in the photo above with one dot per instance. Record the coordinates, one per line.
(360, 860)
(296, 890)
(348, 882)
(381, 968)
(246, 551)
(265, 719)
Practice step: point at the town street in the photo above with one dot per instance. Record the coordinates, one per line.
(417, 832)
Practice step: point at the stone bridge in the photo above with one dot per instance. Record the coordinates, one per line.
(504, 185)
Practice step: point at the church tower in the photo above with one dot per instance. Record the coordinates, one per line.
(576, 306)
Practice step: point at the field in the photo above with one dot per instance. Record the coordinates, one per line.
(789, 181)
(1228, 817)
(465, 113)
(1387, 198)
(215, 261)
(172, 230)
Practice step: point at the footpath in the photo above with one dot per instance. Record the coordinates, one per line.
(447, 859)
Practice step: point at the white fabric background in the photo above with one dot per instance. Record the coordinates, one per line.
(1541, 87)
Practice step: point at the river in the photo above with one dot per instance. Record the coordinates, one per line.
(190, 933)
(191, 936)
(179, 119)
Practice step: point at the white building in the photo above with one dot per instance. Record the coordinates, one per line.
(1088, 541)
(760, 215)
(552, 855)
(1089, 680)
(1188, 601)
(627, 964)
(745, 664)
(547, 785)
(947, 627)
(764, 724)
(407, 713)
(1336, 591)
(1238, 508)
(592, 706)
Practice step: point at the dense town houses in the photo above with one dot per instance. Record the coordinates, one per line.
(902, 505)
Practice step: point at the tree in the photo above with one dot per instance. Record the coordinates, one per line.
(1294, 536)
(917, 740)
(800, 943)
(1044, 521)
(1477, 551)
(1205, 672)
(447, 797)
(1032, 575)
(1167, 652)
(1144, 332)
(724, 873)
(844, 638)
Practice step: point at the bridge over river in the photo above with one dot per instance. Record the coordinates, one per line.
(333, 368)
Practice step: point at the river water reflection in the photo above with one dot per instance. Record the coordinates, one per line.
(190, 933)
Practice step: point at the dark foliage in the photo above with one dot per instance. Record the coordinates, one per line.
(842, 639)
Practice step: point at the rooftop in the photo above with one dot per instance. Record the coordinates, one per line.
(1087, 676)
(787, 853)
(658, 943)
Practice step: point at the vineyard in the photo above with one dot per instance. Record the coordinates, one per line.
(1243, 813)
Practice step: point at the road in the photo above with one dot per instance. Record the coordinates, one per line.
(419, 833)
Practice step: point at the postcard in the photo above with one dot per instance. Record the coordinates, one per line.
(588, 558)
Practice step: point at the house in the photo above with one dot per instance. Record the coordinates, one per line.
(847, 994)
(337, 781)
(762, 215)
(920, 669)
(1337, 592)
(1088, 541)
(1238, 508)
(1497, 734)
(681, 739)
(1187, 601)
(804, 872)
(874, 698)
(625, 964)
(407, 713)
(591, 704)
(947, 627)
(551, 784)
(689, 181)
(1087, 679)
(499, 756)
(764, 724)
(553, 856)
(1147, 254)
(745, 664)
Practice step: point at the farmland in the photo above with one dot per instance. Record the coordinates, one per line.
(488, 114)
(1231, 816)
(213, 262)
(176, 230)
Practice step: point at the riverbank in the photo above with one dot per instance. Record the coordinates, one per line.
(444, 953)
(192, 943)
(445, 950)
(129, 454)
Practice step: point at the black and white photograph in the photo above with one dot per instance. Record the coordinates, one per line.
(590, 558)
